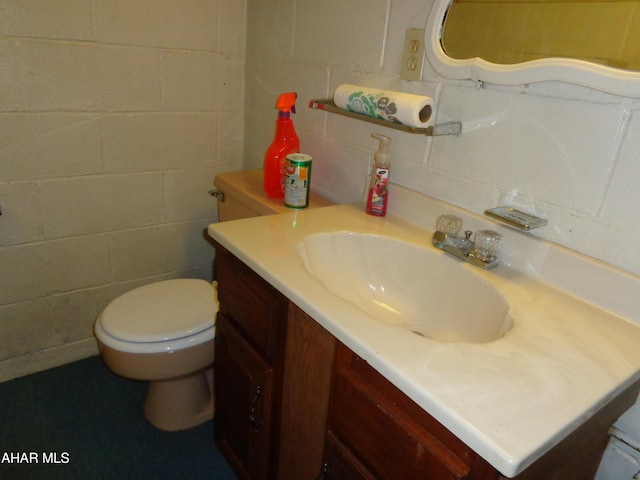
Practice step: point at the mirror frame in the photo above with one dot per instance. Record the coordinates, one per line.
(578, 72)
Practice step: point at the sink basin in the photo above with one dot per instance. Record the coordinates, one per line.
(414, 287)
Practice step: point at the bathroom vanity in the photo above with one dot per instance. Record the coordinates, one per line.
(308, 384)
(272, 370)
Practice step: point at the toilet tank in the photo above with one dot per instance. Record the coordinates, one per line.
(244, 196)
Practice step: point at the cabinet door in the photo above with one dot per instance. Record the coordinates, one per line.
(244, 394)
(341, 464)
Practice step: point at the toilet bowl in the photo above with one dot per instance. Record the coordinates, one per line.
(163, 333)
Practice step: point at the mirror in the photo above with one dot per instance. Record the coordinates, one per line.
(522, 30)
(593, 43)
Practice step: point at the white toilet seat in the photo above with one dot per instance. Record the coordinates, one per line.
(153, 347)
(160, 317)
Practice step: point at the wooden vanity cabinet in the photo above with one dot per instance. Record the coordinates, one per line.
(272, 378)
(293, 403)
(376, 432)
(250, 334)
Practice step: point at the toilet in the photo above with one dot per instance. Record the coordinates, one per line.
(164, 332)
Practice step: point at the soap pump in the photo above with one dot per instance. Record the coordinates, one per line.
(378, 195)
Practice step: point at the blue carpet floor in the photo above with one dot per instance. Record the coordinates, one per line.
(81, 421)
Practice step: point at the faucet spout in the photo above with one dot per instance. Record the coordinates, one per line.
(481, 252)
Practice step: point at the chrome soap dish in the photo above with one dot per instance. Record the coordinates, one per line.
(516, 218)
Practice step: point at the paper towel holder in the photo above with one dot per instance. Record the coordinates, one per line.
(449, 128)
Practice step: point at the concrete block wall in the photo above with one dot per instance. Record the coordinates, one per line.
(114, 119)
(566, 152)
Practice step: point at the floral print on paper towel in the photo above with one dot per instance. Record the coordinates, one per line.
(377, 106)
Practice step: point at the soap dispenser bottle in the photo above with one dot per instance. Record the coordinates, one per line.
(378, 195)
(286, 141)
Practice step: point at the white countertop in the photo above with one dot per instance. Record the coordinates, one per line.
(510, 400)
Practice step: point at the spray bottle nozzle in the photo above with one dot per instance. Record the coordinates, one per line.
(287, 102)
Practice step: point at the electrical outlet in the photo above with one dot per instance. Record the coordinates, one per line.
(413, 55)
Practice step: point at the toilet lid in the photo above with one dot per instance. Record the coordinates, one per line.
(161, 311)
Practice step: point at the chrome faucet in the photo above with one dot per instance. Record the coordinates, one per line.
(481, 252)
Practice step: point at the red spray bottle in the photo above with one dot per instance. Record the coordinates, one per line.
(285, 142)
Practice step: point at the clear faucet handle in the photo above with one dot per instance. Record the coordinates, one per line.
(487, 243)
(449, 224)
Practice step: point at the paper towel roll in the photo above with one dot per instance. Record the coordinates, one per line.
(398, 107)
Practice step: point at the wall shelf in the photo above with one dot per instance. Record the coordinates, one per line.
(449, 128)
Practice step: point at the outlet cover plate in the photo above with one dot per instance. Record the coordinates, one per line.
(413, 55)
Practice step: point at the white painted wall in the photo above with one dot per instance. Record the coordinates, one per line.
(569, 153)
(566, 152)
(114, 119)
